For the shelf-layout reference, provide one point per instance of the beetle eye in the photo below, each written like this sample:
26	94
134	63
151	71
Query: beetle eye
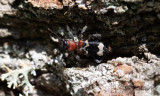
63	45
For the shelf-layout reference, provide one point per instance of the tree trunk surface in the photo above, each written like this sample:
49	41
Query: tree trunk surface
32	63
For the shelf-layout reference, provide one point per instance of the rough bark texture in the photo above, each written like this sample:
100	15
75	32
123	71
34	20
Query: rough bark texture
28	56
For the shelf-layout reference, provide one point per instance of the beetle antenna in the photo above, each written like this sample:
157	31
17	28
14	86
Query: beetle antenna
53	38
52	32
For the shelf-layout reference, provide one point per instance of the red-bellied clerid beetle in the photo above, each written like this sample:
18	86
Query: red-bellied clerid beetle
94	49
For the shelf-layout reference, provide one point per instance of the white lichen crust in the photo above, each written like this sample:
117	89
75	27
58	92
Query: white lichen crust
13	78
23	63
118	77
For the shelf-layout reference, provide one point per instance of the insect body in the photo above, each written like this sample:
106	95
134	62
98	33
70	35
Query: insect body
94	49
91	48
68	45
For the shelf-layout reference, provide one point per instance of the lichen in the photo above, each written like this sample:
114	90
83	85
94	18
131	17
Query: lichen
19	77
125	76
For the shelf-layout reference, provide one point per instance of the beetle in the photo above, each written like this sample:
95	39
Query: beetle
94	49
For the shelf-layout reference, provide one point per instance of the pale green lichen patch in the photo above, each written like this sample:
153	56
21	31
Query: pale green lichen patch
19	77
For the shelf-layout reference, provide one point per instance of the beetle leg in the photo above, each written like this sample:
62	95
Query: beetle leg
95	36
83	29
98	60
70	32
